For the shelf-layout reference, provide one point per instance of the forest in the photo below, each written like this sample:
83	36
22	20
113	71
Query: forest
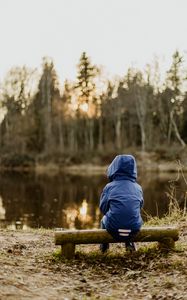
75	122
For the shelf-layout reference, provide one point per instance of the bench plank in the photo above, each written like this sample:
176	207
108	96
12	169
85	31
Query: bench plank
165	236
97	236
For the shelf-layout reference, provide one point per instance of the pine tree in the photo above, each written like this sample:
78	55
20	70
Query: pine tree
86	100
85	86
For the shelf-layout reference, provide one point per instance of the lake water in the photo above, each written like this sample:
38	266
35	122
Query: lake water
72	201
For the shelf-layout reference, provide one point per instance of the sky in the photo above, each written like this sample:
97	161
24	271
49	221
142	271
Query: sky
116	34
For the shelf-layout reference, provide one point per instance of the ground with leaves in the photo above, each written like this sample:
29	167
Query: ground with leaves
31	268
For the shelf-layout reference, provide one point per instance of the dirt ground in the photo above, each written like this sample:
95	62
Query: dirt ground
31	268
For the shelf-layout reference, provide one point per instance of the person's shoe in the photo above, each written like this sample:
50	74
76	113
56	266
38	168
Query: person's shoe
130	247
104	247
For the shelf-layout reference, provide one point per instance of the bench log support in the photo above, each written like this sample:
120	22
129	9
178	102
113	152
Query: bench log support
68	250
165	236
166	244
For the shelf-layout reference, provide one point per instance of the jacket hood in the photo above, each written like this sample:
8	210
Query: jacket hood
122	167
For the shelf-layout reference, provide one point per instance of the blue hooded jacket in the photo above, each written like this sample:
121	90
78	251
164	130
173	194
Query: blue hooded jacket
122	198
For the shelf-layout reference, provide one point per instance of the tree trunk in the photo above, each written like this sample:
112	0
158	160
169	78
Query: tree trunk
100	144
91	134
118	132
60	132
177	132
141	113
143	138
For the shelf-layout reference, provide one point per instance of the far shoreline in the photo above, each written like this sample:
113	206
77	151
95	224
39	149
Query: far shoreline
97	165
89	169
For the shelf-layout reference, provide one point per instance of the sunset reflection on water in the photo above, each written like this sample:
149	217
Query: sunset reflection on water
63	201
78	216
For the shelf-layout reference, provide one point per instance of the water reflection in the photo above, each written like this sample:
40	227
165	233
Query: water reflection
80	216
69	201
44	201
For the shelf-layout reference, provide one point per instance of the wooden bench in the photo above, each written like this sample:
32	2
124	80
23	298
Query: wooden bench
165	236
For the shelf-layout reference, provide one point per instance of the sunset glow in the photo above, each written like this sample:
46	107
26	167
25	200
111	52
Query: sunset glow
127	33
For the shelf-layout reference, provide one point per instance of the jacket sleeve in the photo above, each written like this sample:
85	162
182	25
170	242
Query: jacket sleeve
142	199
104	207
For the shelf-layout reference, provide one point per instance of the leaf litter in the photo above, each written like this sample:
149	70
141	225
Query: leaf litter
31	267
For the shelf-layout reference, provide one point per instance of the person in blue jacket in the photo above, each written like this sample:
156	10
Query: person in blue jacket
121	202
